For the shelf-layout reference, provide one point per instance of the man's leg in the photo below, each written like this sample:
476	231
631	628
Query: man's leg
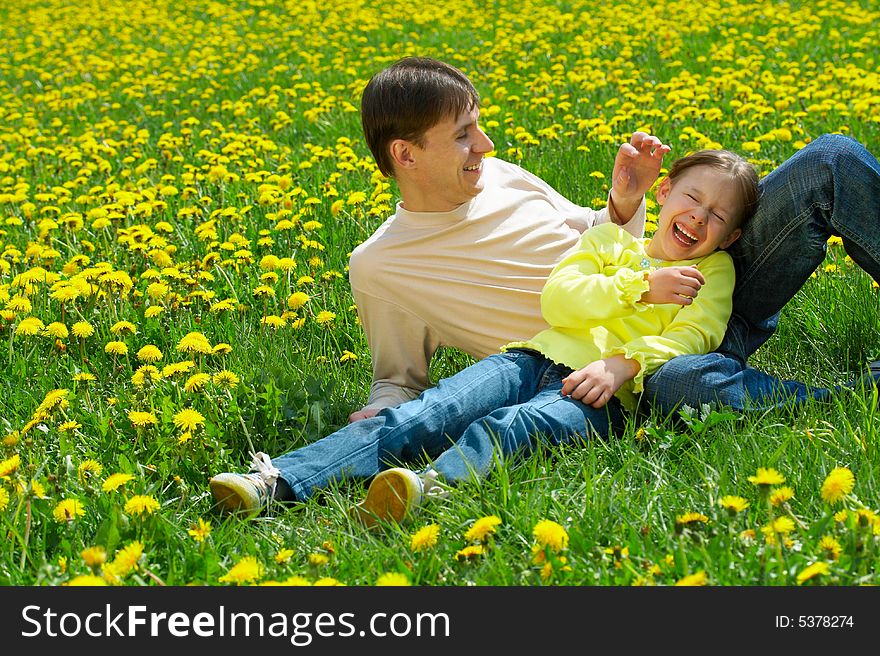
425	426
830	187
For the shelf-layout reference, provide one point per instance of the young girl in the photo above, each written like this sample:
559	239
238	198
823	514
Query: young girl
618	307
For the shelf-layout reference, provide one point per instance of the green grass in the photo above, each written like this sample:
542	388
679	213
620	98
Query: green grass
242	107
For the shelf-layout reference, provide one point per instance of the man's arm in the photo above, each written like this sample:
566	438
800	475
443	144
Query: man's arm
401	347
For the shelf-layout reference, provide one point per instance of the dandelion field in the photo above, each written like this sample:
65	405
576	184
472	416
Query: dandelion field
180	187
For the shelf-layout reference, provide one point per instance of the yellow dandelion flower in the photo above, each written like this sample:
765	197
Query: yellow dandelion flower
67	426
296	300
94	556
115	481
324	317
196	382
483	529
393	579
839	483
327	581
425	538
469	552
812	571
86	580
273	321
19	305
283	556
142	419
84	377
68	510
691	518
116	348
34	488
831	547
89	469
144	373
318	559
781	525
200	530
153	311
263	291
348	356
767	476
141	504
781	495
225	379
157	290
244	571
82	329
221	349
194	343
29	326
57	330
188	419
550	534
170	370
122	327
734	504
124	562
10	465
149	353
4	498
699	578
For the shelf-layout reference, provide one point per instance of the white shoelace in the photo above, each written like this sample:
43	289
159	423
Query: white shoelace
263	467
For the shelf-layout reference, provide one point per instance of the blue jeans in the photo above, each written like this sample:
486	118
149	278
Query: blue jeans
503	405
830	187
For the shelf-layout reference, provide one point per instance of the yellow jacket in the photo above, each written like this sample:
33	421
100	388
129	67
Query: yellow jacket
591	302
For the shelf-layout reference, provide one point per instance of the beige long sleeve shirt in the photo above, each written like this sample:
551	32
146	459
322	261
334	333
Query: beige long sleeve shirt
470	278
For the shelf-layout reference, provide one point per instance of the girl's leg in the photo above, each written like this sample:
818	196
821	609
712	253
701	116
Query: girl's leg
548	418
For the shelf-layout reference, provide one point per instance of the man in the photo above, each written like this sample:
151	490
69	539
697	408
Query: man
463	260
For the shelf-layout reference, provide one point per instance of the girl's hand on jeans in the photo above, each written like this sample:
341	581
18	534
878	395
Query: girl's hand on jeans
596	383
675	284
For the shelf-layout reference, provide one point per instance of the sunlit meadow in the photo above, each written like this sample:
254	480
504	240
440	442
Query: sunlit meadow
181	184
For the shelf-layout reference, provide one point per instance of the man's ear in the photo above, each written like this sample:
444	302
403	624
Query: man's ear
402	153
732	237
663	190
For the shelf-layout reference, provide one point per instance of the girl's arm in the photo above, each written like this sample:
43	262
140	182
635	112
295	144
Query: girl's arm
596	383
697	328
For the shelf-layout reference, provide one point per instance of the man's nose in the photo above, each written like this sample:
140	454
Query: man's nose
484	143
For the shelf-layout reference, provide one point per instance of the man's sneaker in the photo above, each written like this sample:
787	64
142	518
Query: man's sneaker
246	493
395	494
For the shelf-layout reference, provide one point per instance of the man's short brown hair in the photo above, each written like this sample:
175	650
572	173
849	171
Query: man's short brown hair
408	98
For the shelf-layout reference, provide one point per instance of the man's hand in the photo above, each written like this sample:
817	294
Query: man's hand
362	414
596	383
636	168
675	284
